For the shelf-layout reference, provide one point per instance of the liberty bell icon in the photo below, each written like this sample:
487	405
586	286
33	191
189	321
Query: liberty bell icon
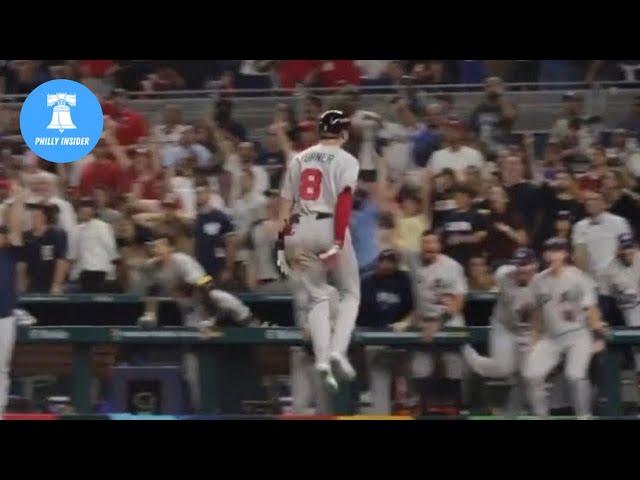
61	117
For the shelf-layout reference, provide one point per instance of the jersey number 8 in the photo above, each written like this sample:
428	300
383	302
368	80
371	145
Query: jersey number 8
310	183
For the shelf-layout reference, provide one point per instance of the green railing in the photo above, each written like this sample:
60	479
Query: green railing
213	360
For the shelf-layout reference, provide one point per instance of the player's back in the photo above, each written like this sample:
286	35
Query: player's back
318	175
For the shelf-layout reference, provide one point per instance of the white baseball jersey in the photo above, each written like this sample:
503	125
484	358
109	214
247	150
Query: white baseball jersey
514	303
563	299
443	276
623	282
317	175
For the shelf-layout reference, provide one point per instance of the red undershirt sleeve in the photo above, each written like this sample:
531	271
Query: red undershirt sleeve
342	215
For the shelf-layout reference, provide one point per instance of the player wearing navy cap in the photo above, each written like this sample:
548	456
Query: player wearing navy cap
622	282
509	337
10	252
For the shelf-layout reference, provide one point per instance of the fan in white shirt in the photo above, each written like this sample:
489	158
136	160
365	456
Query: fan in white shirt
456	156
170	132
595	238
187	147
94	251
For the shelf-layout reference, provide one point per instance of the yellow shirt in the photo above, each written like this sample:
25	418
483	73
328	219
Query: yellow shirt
408	232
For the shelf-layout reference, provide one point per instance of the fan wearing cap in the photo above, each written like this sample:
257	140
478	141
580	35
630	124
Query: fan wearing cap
11	243
510	327
566	322
622	282
456	155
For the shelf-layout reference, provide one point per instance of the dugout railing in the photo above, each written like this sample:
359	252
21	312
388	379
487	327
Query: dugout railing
218	355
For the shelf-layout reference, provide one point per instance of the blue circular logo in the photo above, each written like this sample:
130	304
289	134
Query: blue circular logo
61	121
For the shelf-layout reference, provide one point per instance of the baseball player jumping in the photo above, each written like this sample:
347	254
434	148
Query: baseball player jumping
622	282
319	183
510	335
565	321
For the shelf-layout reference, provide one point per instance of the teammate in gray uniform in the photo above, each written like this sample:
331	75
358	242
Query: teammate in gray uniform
440	287
565	322
622	281
319	185
510	333
180	276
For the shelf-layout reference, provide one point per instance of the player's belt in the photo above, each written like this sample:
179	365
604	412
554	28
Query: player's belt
319	216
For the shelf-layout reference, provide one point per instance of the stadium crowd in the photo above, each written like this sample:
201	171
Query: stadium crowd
212	186
22	76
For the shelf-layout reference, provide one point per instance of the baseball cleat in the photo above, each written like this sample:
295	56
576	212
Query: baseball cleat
327	378
342	367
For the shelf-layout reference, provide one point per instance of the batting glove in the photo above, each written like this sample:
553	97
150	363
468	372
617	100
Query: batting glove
281	262
332	252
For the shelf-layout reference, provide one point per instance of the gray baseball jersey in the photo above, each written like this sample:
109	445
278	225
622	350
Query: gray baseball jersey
563	299
228	306
431	282
314	180
317	175
514	303
179	270
623	282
